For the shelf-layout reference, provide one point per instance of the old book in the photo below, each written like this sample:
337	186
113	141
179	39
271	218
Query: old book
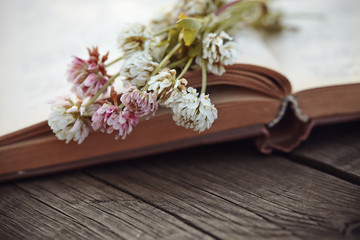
282	86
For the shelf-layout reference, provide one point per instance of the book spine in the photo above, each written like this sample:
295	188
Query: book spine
290	99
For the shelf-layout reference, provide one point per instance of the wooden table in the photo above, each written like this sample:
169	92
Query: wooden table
224	191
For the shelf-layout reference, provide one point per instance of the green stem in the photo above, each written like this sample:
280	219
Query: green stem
162	63
206	25
165	30
185	68
177	63
236	15
93	99
204	75
116	60
121	106
166	58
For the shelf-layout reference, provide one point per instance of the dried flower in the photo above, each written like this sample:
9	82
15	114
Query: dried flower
132	38
141	103
157	48
137	68
218	51
109	118
166	16
66	121
89	76
77	71
194	112
194	8
166	87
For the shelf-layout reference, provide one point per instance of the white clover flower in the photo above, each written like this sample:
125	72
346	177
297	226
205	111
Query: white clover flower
218	51
157	48
134	37
137	68
66	121
193	8
166	87
164	17
178	91
194	112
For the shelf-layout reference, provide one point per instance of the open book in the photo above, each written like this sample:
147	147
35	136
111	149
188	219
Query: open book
282	86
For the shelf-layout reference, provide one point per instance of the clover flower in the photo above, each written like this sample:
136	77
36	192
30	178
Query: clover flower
132	38
157	48
88	77
66	121
165	17
194	112
194	8
141	103
167	88
137	68
218	51
109	118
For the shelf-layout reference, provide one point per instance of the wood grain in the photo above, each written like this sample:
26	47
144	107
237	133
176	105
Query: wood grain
77	206
333	149
224	191
232	193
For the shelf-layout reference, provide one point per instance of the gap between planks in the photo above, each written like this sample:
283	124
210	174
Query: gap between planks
190	224
334	150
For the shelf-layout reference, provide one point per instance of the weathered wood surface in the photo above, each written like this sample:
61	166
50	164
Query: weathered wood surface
226	191
333	149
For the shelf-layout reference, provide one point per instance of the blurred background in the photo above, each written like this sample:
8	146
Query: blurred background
38	39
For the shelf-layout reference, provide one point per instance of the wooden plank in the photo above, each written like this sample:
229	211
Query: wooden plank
234	193
76	206
333	149
23	217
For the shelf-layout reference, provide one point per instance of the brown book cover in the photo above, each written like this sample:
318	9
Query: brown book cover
246	110
290	83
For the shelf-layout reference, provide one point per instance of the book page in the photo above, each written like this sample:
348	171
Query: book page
325	48
251	49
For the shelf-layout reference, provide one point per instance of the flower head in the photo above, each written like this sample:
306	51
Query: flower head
194	112
194	8
167	88
141	103
66	121
157	48
89	76
132	38
165	16
218	51
137	68
109	118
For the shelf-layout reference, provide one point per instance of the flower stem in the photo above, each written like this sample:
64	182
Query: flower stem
166	58
185	68
204	75
121	106
115	61
236	12
165	30
177	63
93	99
223	8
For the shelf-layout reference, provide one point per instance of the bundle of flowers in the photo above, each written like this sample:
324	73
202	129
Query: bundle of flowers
193	34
